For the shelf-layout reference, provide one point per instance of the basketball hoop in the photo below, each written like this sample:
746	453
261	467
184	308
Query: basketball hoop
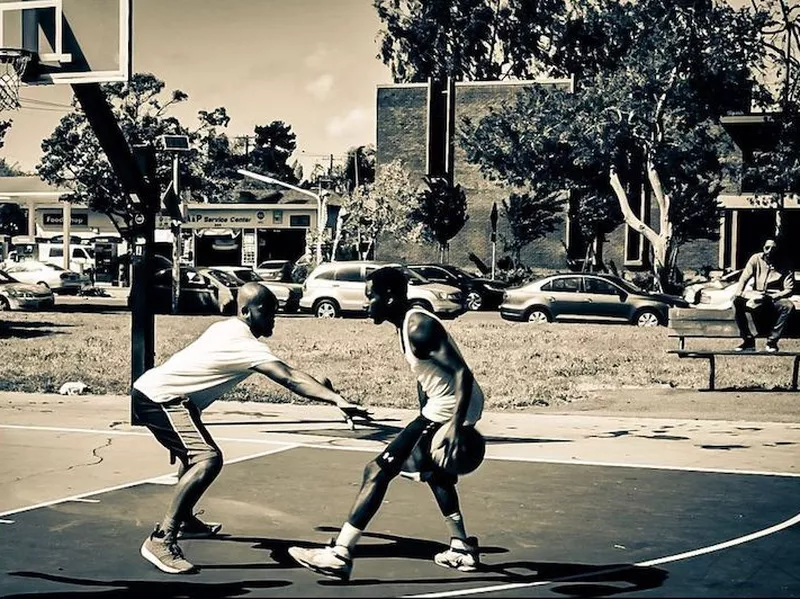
13	62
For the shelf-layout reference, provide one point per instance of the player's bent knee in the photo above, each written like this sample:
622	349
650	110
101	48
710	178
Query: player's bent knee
208	460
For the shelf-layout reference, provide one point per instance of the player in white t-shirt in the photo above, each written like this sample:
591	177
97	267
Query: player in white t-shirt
449	397
169	399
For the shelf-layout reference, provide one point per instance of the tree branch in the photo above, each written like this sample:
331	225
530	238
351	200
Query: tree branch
633	221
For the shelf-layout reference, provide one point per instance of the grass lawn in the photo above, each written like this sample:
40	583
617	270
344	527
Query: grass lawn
517	364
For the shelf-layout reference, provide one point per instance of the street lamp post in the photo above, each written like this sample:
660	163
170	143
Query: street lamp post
317	196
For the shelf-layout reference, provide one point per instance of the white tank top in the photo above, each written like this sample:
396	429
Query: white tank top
437	383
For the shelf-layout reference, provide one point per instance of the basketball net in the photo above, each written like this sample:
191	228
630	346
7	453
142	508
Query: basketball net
13	63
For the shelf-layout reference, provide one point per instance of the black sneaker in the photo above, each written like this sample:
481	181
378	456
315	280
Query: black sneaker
746	345
771	347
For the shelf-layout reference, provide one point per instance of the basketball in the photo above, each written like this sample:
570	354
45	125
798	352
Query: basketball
470	454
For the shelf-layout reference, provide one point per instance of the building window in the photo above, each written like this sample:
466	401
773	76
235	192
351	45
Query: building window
300	220
277	217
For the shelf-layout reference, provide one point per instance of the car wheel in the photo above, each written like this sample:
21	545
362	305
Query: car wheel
538	316
474	300
647	318
326	309
4	304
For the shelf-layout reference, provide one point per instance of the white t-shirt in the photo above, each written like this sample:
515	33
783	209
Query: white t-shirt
212	365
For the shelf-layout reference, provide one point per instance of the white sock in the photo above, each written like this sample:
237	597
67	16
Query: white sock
348	537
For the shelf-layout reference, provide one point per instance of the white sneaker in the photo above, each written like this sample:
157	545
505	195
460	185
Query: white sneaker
325	560
462	555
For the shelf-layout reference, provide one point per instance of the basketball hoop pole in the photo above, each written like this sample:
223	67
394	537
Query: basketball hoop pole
140	182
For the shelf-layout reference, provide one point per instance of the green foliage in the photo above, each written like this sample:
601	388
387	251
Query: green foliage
677	69
479	40
378	209
441	210
530	216
73	159
274	144
13	220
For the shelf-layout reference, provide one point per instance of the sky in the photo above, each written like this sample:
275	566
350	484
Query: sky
309	63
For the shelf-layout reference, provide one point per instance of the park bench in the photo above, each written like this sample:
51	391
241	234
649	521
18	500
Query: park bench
694	323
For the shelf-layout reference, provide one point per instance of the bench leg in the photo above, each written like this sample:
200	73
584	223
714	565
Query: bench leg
711	372
794	372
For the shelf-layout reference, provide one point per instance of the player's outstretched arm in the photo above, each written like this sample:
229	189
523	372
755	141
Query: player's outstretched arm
307	386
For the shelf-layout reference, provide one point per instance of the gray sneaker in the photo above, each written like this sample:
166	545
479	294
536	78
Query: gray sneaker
165	554
463	557
195	528
325	560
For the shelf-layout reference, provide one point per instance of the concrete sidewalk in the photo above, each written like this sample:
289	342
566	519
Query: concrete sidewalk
56	446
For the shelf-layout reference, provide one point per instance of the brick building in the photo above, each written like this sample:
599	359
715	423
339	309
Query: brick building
402	133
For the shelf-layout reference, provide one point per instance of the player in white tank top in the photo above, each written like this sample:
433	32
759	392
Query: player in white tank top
449	397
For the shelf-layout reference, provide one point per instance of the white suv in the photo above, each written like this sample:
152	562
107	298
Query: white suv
335	288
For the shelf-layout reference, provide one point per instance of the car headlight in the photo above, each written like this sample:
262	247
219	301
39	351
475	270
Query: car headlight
12	292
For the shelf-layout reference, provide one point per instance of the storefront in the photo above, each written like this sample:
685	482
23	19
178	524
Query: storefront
242	234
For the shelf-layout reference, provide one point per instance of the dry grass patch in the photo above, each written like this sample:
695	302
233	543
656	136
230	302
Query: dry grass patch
518	365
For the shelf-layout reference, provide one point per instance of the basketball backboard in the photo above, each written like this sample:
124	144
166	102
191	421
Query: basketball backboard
76	41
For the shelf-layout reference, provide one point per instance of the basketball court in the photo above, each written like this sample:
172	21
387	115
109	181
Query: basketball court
557	510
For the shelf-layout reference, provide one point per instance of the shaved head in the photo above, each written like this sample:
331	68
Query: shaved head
254	294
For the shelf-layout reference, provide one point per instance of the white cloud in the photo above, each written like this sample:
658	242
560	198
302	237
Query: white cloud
321	86
341	125
318	58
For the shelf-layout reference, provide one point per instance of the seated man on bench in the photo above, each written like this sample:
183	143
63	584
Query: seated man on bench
768	301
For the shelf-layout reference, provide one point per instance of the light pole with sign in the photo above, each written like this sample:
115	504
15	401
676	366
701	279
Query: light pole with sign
172	205
321	221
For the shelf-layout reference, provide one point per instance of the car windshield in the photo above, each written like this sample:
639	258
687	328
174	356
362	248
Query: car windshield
627	285
414	278
6	278
225	278
247	275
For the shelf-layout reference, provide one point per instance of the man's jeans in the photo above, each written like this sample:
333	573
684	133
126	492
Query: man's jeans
773	315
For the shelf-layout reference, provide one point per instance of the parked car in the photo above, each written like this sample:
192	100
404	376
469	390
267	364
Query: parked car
15	295
339	288
718	294
587	295
287	294
49	275
198	293
227	287
479	293
714	291
275	270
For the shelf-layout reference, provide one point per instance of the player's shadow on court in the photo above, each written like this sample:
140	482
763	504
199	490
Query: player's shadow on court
382	432
579	580
138	589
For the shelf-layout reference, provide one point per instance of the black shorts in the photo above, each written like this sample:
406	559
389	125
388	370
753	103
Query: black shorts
176	424
409	453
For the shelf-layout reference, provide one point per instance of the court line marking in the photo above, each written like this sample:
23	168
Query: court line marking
649	563
463	592
135	483
533	460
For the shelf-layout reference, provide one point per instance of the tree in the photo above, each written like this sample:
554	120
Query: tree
530	216
13	220
359	167
441	209
274	144
73	159
649	124
377	209
480	40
